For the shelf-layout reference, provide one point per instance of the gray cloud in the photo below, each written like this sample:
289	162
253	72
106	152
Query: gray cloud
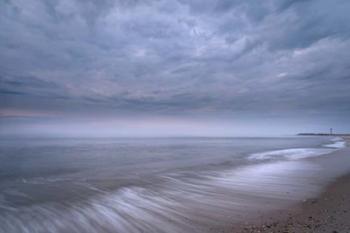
217	58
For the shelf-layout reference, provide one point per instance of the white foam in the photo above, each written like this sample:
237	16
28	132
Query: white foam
338	143
335	139
291	154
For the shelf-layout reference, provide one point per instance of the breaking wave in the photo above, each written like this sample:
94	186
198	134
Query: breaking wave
180	204
299	153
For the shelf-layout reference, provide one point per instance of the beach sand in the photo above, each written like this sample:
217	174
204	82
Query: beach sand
329	212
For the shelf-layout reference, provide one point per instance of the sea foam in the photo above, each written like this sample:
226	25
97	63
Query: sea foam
338	143
291	154
300	153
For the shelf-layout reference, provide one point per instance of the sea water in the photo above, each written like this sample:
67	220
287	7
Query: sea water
154	184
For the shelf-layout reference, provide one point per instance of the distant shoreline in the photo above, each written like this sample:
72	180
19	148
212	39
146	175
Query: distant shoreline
324	134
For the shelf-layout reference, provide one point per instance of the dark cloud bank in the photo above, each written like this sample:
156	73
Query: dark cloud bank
129	67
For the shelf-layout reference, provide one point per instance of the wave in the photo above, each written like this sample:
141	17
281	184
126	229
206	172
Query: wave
291	154
300	153
338	143
183	203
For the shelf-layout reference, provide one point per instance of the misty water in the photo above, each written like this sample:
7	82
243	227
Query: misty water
156	184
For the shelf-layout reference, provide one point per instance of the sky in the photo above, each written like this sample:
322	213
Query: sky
174	67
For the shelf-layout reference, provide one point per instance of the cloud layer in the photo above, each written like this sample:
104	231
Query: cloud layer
276	58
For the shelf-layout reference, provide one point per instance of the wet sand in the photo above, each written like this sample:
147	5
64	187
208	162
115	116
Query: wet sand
329	212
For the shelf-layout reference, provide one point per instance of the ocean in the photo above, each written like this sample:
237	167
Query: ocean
163	185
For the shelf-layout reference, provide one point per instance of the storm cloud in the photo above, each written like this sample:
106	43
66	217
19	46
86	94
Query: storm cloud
231	60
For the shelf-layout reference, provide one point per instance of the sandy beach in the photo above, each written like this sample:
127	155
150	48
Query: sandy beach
329	212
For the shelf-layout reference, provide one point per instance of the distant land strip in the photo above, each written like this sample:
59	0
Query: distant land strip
324	134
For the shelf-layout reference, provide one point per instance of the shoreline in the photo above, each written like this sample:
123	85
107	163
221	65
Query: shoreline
327	212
